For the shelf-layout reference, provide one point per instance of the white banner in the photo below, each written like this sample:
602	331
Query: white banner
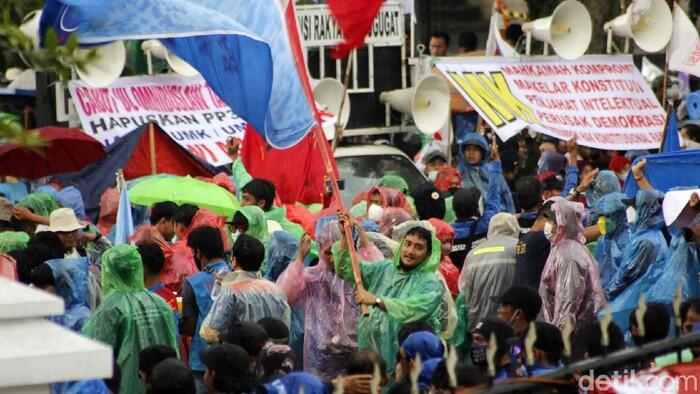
186	108
602	100
684	47
318	28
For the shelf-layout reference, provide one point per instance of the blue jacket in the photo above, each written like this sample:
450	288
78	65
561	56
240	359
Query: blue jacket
477	175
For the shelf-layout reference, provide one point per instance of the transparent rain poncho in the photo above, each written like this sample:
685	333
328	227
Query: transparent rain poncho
644	260
408	296
608	249
130	318
71	280
490	268
570	283
331	314
11	241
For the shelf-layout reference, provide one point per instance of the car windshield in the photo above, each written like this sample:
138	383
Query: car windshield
361	173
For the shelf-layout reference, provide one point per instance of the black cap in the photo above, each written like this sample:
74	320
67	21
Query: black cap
248	335
524	298
172	376
226	359
630	202
548	339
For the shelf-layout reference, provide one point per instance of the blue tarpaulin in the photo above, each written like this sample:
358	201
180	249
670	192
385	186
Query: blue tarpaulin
668	170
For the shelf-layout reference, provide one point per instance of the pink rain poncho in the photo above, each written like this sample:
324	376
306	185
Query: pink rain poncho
331	313
570	283
109	205
8	267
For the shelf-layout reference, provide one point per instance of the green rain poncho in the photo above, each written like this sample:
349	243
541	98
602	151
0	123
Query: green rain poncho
40	203
130	318
408	296
279	215
257	228
11	241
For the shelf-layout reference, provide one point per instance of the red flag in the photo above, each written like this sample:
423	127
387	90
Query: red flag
297	172
355	20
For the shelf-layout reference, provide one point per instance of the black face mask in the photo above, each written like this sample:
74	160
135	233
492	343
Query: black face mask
451	191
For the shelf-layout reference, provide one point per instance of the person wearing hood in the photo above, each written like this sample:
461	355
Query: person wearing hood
604	183
423	344
68	279
570	285
489	269
644	259
258	192
130	318
473	161
621	166
244	295
448	182
390	183
251	220
283	250
446	234
397	291
331	314
615	235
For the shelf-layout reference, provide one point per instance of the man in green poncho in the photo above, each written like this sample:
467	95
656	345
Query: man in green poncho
397	291
130	318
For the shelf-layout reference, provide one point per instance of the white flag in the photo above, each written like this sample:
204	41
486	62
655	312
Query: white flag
684	48
495	44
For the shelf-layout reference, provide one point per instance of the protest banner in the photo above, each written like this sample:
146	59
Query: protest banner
186	108
602	100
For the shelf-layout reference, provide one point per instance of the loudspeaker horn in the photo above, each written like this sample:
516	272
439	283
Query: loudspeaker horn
428	103
650	28
107	67
329	93
568	30
30	27
175	63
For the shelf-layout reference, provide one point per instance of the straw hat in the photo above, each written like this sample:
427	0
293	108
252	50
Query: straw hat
63	220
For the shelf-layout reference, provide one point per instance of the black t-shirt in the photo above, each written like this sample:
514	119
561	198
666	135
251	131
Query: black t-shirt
530	255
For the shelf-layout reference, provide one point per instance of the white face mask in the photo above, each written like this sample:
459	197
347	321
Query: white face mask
375	212
623	175
549	230
631	215
690	144
432	175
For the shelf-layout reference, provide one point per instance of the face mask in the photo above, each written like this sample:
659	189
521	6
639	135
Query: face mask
478	354
451	191
623	175
601	225
549	230
631	215
432	175
375	212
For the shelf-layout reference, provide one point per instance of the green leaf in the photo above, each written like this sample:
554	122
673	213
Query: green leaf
72	43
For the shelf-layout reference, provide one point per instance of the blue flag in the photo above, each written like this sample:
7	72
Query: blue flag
671	141
125	224
667	170
240	47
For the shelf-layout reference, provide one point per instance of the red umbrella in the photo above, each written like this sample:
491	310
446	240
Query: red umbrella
67	150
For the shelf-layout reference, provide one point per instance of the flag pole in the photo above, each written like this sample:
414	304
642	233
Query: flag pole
339	126
663	136
151	131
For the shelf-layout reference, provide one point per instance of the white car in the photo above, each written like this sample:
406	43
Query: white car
362	166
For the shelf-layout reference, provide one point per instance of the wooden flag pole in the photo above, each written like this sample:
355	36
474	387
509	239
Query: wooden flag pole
339	126
151	131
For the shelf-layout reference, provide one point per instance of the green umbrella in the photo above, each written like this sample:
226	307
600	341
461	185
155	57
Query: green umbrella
181	190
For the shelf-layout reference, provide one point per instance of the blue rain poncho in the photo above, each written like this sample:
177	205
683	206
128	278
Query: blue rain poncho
478	176
71	280
282	252
605	182
130	318
683	268
644	259
608	249
408	296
